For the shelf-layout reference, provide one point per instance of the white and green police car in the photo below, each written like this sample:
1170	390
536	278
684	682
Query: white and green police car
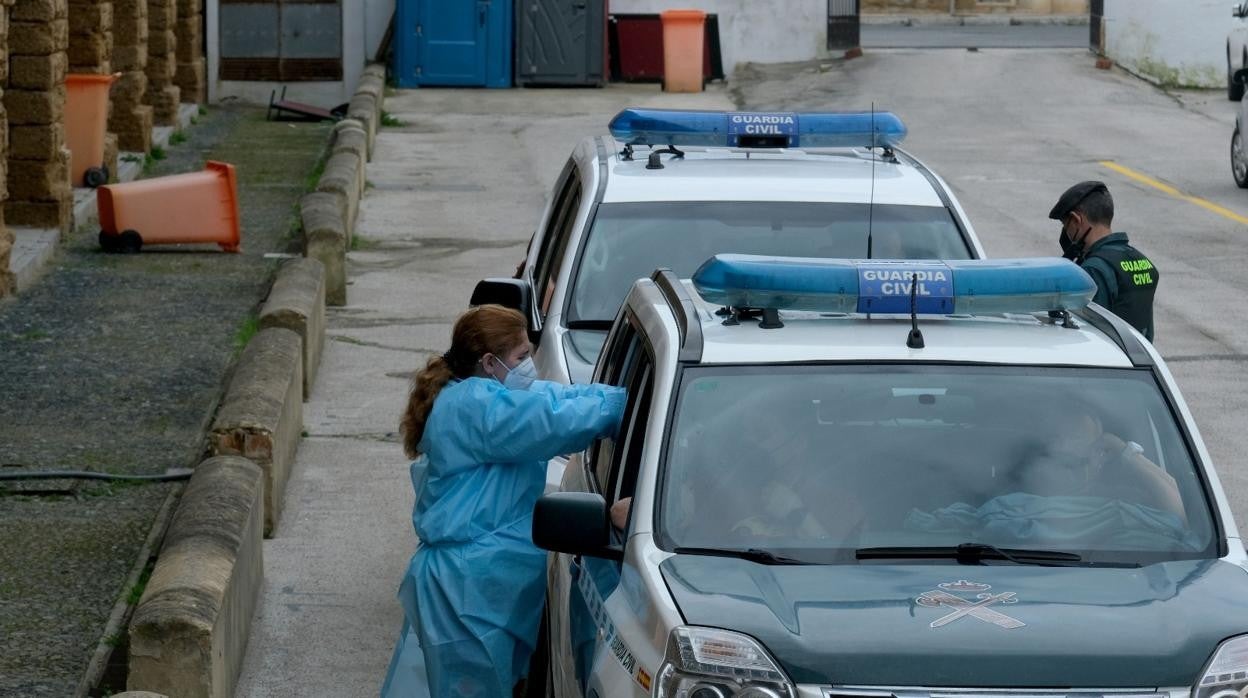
670	188
867	479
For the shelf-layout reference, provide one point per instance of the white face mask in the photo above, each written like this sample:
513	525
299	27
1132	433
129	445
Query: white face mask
522	376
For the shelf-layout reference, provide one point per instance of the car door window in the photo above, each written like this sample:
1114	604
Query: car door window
555	239
626	457
617	364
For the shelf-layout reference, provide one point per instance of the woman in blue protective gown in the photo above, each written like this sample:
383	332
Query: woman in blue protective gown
483	430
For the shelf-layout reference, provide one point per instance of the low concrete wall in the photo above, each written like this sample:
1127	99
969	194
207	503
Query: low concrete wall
326	238
261	415
1176	44
329	213
297	303
189	633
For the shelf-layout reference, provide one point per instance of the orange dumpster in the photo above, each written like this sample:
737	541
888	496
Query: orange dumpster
86	121
185	208
682	50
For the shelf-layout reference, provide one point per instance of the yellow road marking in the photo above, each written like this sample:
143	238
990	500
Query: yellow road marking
1162	186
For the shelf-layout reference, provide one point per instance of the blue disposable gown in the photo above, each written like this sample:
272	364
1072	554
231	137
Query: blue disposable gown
475	589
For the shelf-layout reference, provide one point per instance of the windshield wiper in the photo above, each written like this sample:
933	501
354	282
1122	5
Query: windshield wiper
759	555
602	325
972	554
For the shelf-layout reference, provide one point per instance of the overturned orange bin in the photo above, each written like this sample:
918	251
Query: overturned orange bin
86	122
178	209
683	33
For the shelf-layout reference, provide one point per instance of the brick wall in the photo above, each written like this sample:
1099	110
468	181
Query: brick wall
162	61
38	163
6	236
130	118
191	77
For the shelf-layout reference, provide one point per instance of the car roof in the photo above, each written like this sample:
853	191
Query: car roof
987	339
843	175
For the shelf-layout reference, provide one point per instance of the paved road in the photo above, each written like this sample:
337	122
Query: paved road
1010	130
977	36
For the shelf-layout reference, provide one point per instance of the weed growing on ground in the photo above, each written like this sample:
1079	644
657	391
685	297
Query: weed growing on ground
158	153
245	332
388	119
359	242
203	111
178	138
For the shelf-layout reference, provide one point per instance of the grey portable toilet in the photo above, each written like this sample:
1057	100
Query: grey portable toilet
561	42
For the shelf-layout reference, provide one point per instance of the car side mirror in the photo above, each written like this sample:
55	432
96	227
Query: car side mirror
576	523
1241	76
509	293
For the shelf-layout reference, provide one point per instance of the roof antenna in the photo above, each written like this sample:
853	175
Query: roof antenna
915	340
871	205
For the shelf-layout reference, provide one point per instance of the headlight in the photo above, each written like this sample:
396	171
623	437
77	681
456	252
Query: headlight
1227	674
712	663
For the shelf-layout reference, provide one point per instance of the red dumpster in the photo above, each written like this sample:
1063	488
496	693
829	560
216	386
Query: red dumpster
86	121
185	208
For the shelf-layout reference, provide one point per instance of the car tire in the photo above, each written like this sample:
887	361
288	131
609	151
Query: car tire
1239	160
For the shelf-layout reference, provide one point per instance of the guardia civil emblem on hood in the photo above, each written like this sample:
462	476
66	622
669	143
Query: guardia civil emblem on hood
948	595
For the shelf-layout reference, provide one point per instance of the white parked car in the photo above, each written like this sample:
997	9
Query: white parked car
1239	158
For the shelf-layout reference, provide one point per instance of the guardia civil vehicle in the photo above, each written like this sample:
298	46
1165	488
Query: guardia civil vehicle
881	479
669	188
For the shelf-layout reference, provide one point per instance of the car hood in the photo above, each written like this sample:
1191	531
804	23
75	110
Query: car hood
582	347
1154	626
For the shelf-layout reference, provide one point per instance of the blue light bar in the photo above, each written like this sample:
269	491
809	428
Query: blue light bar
659	127
955	287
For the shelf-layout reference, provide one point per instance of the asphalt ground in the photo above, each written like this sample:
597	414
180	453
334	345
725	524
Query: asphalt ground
115	364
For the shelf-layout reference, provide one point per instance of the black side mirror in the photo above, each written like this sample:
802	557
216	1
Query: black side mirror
509	293
576	523
1241	76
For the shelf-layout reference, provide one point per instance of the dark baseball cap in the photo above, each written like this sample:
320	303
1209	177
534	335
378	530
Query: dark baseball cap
1073	197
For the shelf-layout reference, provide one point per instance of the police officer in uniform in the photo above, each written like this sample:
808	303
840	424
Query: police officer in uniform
1125	279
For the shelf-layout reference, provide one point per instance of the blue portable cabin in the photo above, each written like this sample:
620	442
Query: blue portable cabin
453	43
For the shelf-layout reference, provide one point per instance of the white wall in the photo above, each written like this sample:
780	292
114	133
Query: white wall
363	24
753	30
1176	42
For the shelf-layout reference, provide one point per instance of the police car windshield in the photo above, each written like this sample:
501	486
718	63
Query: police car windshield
630	240
817	462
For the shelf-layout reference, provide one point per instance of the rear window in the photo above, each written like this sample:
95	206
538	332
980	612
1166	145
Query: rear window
629	241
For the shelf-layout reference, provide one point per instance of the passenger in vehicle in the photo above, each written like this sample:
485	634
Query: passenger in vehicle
1085	460
485	429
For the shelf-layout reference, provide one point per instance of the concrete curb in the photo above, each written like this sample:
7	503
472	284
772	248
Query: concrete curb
326	238
297	303
344	177
261	415
139	694
973	20
329	213
189	632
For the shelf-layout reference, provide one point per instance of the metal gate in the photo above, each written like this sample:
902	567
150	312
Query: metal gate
560	42
843	22
281	40
1096	23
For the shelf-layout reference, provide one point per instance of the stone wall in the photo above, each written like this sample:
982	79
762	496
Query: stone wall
130	119
162	63
191	77
6	237
38	163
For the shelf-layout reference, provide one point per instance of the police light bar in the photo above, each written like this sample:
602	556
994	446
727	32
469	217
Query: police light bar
659	127
953	287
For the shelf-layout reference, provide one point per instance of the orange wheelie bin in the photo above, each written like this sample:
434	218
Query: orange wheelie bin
683	33
185	208
86	122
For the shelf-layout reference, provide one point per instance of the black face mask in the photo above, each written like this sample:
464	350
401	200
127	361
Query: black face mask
1070	249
